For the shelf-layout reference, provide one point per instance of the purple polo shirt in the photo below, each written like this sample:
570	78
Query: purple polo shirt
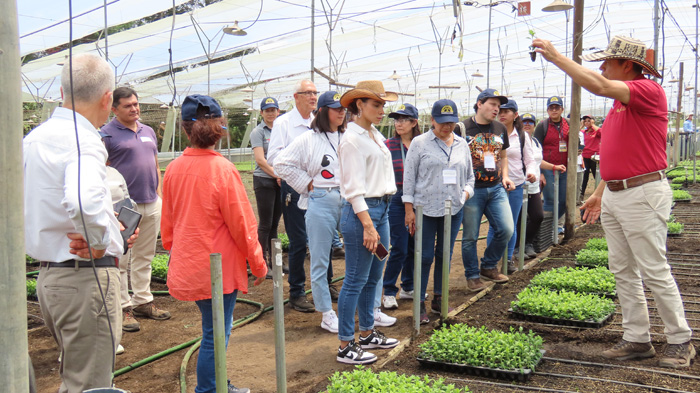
133	155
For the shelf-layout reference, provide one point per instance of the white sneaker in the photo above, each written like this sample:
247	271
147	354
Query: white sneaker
389	302
405	295
330	321
381	319
120	349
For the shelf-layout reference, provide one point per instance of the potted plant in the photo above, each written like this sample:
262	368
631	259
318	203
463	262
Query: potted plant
533	54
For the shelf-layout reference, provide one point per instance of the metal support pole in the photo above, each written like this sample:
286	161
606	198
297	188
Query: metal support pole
679	119
504	262
417	265
597	173
523	226
555	209
14	375
572	191
278	302
313	32
694	134
217	305
488	50
447	234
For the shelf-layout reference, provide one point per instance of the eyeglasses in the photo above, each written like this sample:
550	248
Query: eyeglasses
341	109
402	120
308	93
554	108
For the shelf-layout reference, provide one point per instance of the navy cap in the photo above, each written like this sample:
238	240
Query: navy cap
491	93
405	110
192	104
555	100
511	104
445	111
330	99
528	117
268	102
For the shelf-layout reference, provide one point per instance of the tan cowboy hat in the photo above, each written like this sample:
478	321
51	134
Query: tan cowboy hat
621	47
368	89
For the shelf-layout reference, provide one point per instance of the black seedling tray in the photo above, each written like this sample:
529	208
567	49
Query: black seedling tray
509	375
159	280
674	234
682	200
563	322
578	264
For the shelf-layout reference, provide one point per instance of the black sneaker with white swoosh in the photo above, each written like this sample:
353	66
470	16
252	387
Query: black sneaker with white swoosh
354	354
377	340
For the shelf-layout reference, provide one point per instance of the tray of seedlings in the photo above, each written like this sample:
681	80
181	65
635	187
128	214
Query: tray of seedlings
31	289
366	380
159	268
680	196
562	307
481	352
597	281
592	258
674	228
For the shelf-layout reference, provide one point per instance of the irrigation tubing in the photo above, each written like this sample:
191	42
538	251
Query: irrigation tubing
584	363
636	385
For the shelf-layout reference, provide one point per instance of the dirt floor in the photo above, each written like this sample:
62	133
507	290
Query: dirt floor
310	350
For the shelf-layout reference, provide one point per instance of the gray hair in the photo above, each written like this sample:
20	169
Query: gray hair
92	77
297	86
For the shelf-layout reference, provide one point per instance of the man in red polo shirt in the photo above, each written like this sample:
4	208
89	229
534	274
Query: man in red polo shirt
634	198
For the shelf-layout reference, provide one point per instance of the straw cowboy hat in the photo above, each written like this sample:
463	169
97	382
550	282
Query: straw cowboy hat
627	48
368	89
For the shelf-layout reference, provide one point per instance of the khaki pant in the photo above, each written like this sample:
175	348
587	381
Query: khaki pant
72	308
634	221
138	260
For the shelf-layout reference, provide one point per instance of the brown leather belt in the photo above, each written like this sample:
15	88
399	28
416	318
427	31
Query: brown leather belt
619	185
100	262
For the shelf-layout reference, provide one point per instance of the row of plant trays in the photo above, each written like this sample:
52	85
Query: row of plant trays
520	375
589	324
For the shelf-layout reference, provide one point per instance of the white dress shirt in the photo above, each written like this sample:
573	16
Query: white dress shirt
51	208
515	162
366	170
285	129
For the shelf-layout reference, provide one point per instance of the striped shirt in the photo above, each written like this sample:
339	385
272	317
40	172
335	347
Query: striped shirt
394	145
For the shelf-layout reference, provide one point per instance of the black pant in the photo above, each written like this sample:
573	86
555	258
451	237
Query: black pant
535	215
590	167
267	195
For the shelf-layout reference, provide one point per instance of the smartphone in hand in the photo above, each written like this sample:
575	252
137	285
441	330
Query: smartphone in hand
130	219
381	252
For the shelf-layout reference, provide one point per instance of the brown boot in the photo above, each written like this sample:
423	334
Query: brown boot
129	323
475	285
149	310
625	350
493	275
677	355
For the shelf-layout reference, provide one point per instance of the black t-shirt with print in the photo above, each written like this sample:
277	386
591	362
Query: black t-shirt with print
484	140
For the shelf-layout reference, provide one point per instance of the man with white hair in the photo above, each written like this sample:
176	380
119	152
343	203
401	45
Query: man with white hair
66	196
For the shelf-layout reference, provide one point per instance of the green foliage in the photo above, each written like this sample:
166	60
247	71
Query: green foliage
31	287
463	344
592	258
159	266
244	165
682	179
678	172
285	241
681	195
675	227
597	280
562	304
361	380
597	243
532	33
671	218
676	186
29	259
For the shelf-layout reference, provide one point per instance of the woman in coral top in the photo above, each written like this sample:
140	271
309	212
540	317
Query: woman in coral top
206	210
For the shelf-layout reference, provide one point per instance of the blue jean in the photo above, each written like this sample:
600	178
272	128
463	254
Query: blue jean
295	225
206	376
432	227
322	219
492	202
363	270
402	245
548	192
515	200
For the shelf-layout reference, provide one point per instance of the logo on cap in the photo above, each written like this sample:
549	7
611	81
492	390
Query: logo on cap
496	93
447	109
402	107
554	99
269	101
336	97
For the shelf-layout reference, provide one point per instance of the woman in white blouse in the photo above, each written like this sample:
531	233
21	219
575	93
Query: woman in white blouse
310	166
367	183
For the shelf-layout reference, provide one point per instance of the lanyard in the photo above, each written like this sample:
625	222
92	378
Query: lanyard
403	153
331	143
443	150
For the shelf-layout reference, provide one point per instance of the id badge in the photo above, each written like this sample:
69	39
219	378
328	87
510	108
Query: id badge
562	147
449	176
489	161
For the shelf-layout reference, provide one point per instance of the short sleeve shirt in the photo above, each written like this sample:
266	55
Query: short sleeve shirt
484	141
633	137
260	137
133	155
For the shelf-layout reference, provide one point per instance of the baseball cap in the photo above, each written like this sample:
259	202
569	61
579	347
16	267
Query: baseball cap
511	104
445	111
405	110
586	117
268	102
528	117
491	93
330	99
192	103
555	100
